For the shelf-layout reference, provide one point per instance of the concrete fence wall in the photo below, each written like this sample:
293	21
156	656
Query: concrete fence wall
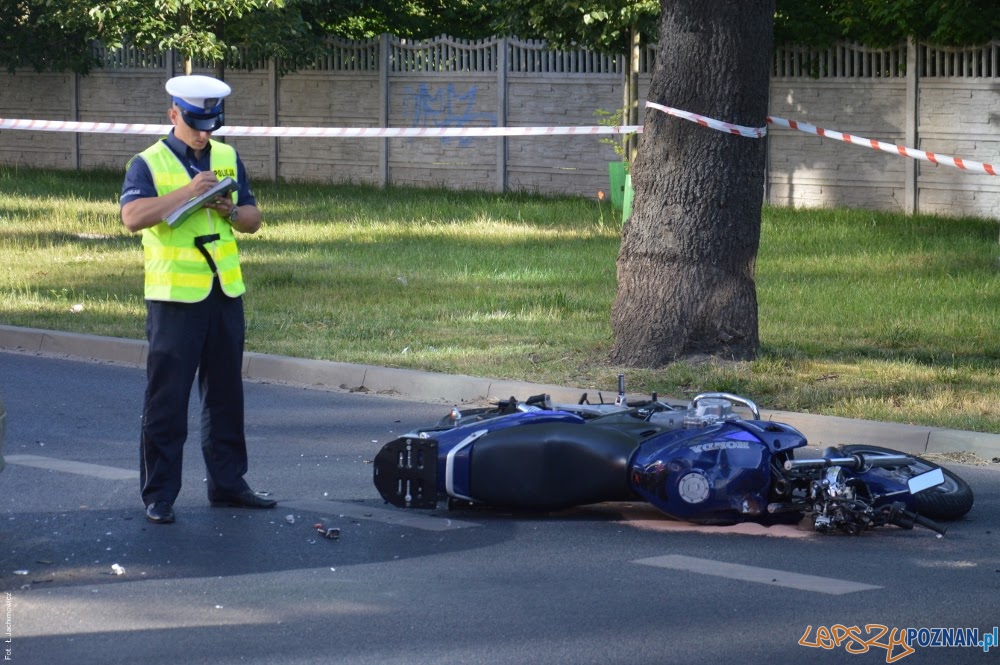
945	101
942	100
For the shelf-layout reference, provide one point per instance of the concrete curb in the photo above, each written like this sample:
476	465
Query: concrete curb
458	389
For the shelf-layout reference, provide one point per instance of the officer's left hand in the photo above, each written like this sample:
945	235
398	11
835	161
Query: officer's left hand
221	205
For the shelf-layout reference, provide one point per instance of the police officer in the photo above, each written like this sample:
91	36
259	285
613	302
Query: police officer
194	309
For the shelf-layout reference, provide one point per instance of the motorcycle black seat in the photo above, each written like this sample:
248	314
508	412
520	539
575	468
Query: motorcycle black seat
550	466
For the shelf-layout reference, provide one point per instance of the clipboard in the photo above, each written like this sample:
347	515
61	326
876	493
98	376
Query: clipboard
225	187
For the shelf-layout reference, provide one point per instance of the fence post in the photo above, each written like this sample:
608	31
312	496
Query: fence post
911	190
767	167
501	65
272	116
75	116
383	108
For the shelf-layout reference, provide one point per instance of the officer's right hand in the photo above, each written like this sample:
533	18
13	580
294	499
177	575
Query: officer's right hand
202	182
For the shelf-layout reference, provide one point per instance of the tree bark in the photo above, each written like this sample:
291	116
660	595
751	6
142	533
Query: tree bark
686	263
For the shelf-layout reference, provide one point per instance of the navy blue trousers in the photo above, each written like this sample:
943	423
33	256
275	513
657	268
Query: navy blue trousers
189	340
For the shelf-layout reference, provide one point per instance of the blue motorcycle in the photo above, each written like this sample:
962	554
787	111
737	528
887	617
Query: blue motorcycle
701	462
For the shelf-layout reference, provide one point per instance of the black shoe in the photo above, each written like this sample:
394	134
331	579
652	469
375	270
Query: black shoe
160	512
246	499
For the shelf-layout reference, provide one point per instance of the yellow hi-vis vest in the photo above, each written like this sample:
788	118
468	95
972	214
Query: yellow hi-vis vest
176	269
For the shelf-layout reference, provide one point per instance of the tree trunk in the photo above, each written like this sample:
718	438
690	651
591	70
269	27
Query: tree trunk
686	263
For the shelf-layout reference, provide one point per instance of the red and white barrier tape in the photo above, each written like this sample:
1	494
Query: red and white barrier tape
718	125
759	132
958	163
314	132
445	132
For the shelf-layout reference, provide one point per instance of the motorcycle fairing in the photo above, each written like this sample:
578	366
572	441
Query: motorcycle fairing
884	483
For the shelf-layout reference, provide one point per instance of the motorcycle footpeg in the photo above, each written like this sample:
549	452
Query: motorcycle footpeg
406	472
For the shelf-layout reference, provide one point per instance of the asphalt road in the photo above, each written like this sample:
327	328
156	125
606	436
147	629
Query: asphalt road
614	583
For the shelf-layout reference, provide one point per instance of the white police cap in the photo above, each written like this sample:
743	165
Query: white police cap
199	99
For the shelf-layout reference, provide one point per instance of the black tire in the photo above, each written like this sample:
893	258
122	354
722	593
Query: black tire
949	501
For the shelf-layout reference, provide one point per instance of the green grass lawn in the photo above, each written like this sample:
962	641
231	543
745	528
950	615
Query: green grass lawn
862	314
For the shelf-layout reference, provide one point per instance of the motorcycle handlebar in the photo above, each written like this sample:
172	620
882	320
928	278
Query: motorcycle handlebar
905	519
857	462
929	524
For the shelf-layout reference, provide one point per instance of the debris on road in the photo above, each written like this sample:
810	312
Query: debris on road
332	533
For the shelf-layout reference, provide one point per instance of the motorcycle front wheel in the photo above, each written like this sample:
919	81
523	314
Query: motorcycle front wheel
948	501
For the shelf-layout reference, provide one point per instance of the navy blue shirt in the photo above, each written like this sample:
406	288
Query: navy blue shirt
139	181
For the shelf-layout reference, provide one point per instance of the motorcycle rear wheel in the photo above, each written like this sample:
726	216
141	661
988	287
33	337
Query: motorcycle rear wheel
946	502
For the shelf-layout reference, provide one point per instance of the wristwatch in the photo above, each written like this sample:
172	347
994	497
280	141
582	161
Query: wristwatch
233	214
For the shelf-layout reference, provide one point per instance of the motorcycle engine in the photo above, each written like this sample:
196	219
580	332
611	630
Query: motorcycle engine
837	506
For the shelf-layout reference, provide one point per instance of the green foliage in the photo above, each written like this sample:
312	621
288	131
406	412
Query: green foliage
294	35
603	24
56	35
620	144
884	22
956	22
806	22
195	28
46	35
417	19
600	25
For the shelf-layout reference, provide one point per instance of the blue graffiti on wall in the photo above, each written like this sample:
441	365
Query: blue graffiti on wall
444	107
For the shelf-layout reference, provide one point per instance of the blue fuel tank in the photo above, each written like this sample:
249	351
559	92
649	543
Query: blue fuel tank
719	474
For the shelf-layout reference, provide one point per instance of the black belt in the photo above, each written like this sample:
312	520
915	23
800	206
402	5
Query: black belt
200	243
